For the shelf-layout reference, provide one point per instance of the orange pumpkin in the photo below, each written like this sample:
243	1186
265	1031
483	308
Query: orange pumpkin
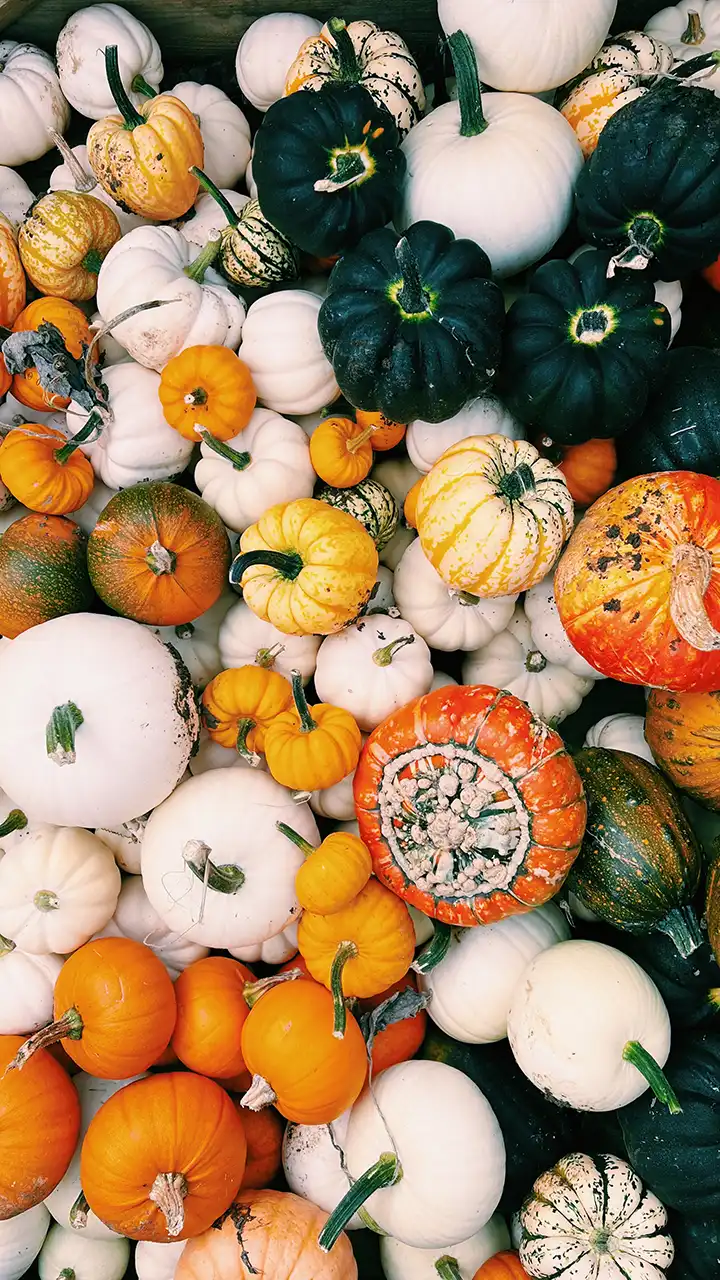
159	554
207	389
384	434
39	474
410	504
401	1040
240	704
333	873
683	733
43	572
502	1266
163	1157
341	452
298	1065
712	275
264	1136
638	588
311	748
75	329
211	1010
39	1127
589	468
12	276
114	1008
64	241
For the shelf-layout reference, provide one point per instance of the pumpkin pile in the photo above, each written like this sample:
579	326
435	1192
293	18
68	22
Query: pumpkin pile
360	650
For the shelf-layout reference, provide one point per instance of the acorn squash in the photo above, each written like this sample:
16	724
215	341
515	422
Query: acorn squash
680	430
697	1246
369	502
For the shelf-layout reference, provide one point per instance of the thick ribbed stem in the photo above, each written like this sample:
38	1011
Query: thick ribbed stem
346	951
225	878
653	1073
160	560
517	483
287	563
447	1268
259	1096
65	452
244	729
129	113
472	120
693	33
168	1192
383	657
436	949
412	297
303	845
681	925
307	724
691	573
60	733
385	1173
358	441
69	1027
15	821
221	201
239	460
196	269
347	58
252	991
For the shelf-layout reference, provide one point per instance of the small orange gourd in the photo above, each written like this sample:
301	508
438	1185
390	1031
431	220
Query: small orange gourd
207	390
310	748
589	468
341	452
211	1011
240	704
332	874
39	470
64	241
384	433
75	329
12	276
502	1266
39	1126
410	504
401	1040
264	1136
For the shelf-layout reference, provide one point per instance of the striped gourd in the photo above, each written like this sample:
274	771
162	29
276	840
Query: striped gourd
254	254
370	503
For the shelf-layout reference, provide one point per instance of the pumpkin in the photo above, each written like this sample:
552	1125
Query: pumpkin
245	638
81	62
15	196
312	1157
680	733
696	1241
264	1137
310	748
412	324
283	352
74	327
40	1124
211	1010
548	634
487	164
306	568
198	642
63	242
37	472
75	175
582	352
619	73
335	802
398	1041
636	588
333	873
327	167
26	989
592	1212
427	441
712	904
163	1157
373	668
207	390
243	476
273	1229
135	918
493	516
620	732
589	468
369	502
384	434
265	52
32	105
275	950
447	619
341	452
517	830
298	1064
12	276
689	985
239	705
43	572
253	253
206	219
155	1261
67	1250
403	1262
689	28
224	129
21	1238
678	431
158	554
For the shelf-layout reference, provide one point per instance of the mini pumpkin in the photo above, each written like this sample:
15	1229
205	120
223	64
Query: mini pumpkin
310	748
623	70
39	1126
589	468
211	1011
43	572
239	705
75	329
341	452
207	390
384	434
12	276
41	473
64	241
333	873
683	733
264	1136
253	253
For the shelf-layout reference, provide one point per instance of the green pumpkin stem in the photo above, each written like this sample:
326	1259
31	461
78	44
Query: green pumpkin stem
384	1173
653	1073
60	731
15	821
7	946
159	559
412	296
515	484
436	949
383	657
681	925
266	657
239	460
196	269
78	1215
472	120
695	67
69	1027
65	452
302	844
252	991
221	201
347	57
244	728
346	951
129	113
693	33
140	85
287	563
223	878
67	1273
307	724
447	1268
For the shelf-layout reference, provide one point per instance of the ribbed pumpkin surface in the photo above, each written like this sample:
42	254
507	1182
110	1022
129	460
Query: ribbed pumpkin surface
683	730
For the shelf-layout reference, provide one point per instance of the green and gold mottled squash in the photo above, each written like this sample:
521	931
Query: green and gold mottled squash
43	572
683	732
370	503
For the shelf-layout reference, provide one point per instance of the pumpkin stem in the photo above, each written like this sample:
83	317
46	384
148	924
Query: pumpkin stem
348	166
82	180
15	821
159	560
140	85
185	631
466	598
67	1273
266	657
252	991
383	657
239	460
244	728
92	261
384	1173
302	844
358	441
259	1096
224	878
436	949
78	1215
653	1073
60	733
129	113
346	951
307	724
6	946
69	1027
347	58
45	900
197	396
411	297
287	563
221	201
535	662
681	925
515	484
447	1268
65	452
645	233
693	33
168	1192
196	269
472	120
691	571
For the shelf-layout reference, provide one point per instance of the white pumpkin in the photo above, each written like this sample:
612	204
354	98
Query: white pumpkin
277	950
620	732
472	987
81	61
266	52
512	660
267	463
125	842
27	983
75	174
21	1239
309	421
157	1261
225	818
246	640
15	197
445	618
136	443
282	349
690	28
373	668
31	103
382	599
548	633
394	550
398	475
198	642
441	680
573	1014
524	46
139	720
250	182
207	218
336	803
14	413
68	1253
402	1262
212	755
225	131
135	918
158	264
312	1163
88	514
487	416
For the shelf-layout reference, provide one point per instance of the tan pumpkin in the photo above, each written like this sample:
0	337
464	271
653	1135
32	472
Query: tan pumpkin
64	241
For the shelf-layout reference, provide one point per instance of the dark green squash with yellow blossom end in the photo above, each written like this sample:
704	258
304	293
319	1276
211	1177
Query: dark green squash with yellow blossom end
640	863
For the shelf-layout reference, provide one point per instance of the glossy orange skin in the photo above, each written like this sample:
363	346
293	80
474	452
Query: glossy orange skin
12	276
683	733
126	1001
264	1136
244	693
589	468
30	470
315	760
288	1040
39	1127
410	504
211	1010
612	585
73	325
712	275
502	1266
146	168
402	1040
386	434
332	457
221	386
176	1122
63	242
380	926
43	572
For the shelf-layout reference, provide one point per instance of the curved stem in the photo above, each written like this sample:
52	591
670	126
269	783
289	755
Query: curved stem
244	728
412	296
653	1073
303	845
196	269
129	113
78	1215
359	441
7	946
252	991
15	821
347	58
307	724
681	925
69	1027
239	460
436	949
447	1268
259	1095
221	201
83	181
691	572
693	33
140	85
266	657
384	1173
223	878
346	951
168	1192
60	731
65	452
517	483
159	559
472	120
287	563
383	657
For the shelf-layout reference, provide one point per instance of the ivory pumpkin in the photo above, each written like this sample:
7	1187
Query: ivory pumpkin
312	1164
20	1240
276	950
136	919
282	349
155	1261
65	1250
26	989
690	28
39	1125
198	642
373	668
31	103
225	131
206	218
244	638
15	196
427	441
124	842
621	732
81	63
447	619
267	50
403	1262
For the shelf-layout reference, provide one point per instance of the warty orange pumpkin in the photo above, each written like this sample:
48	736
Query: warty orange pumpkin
37	471
239	705
207	390
12	276
211	1011
39	1126
64	241
75	329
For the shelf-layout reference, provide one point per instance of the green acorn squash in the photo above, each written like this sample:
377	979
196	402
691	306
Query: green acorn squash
640	863
328	167
581	352
369	502
689	985
697	1246
680	431
412	325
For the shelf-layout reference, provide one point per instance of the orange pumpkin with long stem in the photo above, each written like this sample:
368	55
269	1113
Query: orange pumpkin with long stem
240	704
211	1011
39	1127
401	1040
502	1266
75	329
384	433
341	452
36	468
163	1157
12	276
311	748
63	243
264	1136
333	873
207	390
589	468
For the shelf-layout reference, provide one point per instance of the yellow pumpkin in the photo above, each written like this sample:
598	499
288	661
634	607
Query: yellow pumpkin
333	873
311	748
493	515
306	567
64	241
239	704
12	276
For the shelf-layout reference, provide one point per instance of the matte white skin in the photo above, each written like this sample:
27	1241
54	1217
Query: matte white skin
548	633
576	1007
441	680
81	62
148	264
487	416
234	812
438	613
279	470
282	349
157	1261
670	24
27	983
402	1262
266	53
393	552
71	864
31	103
136	443
198	642
225	131
246	639
473	986
621	732
209	218
63	178
15	196
509	188
348	676
335	803
398	475
211	755
423	926
125	842
383	600
312	1165
135	918
21	1238
140	720
273	951
524	46
87	1259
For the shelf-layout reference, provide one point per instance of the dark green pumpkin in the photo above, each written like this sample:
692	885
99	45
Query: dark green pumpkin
640	863
581	351
328	167
681	429
412	326
697	1246
369	502
43	572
